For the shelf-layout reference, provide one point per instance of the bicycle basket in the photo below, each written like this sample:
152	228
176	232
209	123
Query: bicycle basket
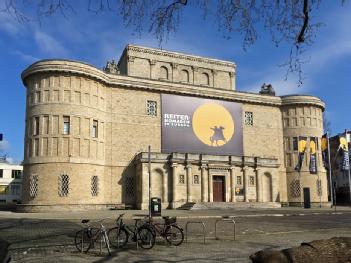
170	220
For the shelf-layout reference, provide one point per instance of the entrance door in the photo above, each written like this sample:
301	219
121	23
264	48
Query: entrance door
218	189
306	197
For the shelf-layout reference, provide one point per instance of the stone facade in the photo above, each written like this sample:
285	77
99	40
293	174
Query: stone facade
87	133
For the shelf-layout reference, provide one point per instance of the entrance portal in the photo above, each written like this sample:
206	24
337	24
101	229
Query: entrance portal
218	189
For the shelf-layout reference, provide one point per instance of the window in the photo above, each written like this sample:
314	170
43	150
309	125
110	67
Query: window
295	144
66	125
252	180
46	124
94	185
16	174
36	126
295	188
130	187
151	108
238	180
95	129
196	179
184	76
33	185
248	118
15	189
181	178
205	79
1	173
37	97
319	187
163	73
63	185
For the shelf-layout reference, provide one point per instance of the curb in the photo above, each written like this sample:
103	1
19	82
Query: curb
262	215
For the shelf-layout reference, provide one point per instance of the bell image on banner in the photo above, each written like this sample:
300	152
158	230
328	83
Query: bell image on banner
301	148
343	147
324	146
313	155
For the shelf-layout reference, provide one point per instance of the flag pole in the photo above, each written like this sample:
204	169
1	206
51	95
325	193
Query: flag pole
149	170
330	175
347	142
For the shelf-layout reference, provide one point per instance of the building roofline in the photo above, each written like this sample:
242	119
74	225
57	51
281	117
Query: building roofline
178	55
88	70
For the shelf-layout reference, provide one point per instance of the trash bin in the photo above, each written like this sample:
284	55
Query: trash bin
155	206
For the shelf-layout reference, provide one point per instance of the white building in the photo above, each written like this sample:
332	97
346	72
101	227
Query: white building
10	182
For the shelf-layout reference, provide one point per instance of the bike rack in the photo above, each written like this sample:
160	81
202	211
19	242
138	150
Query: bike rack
195	222
225	219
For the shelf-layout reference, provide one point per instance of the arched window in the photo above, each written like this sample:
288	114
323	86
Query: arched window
184	76
163	73
205	79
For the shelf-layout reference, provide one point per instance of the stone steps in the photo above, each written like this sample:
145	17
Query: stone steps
227	205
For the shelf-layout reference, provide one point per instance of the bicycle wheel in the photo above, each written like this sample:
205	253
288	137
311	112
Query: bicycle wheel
118	237
82	241
174	235
146	237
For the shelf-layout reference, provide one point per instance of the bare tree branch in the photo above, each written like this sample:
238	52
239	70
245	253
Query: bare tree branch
301	36
287	21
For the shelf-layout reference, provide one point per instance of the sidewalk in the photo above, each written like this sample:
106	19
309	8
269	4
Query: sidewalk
208	213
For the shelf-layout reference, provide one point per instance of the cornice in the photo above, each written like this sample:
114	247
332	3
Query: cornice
74	67
179	55
302	100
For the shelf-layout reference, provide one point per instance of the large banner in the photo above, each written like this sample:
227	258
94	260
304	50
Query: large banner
195	125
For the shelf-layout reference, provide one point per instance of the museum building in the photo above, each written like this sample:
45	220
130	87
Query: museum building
88	131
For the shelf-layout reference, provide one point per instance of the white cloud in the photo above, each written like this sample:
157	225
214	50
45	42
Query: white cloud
49	45
4	146
9	24
25	57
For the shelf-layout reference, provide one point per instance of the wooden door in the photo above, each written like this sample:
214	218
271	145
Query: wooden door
218	189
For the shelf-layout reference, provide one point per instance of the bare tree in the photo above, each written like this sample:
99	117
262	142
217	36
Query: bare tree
326	124
287	21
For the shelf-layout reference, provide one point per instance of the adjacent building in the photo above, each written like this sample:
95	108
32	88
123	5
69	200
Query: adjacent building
340	177
10	182
88	132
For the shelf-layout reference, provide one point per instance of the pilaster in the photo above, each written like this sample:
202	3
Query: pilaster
232	184
204	184
246	183
174	184
189	183
259	185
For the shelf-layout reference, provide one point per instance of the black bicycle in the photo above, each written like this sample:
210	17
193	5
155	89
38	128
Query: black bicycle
169	230
142	234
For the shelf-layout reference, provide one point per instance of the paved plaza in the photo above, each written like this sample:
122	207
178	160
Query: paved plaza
49	237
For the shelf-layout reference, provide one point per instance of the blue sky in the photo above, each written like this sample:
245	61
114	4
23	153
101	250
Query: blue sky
95	38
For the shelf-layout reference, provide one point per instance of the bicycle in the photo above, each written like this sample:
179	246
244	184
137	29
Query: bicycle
142	235
169	230
86	238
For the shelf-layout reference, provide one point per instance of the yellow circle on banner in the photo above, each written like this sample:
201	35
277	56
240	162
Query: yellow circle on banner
213	124
312	147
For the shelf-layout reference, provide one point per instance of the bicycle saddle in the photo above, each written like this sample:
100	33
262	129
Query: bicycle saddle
84	221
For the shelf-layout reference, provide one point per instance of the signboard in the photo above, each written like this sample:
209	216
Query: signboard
195	125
